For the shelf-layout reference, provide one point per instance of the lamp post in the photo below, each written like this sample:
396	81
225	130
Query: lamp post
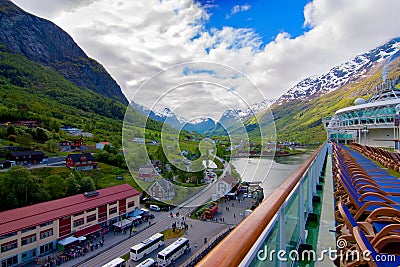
396	128
365	131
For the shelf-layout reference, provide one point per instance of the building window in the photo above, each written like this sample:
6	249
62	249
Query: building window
8	235
10	261
91	218
102	211
28	239
79	222
113	210
46	248
29	254
28	229
78	214
131	204
113	203
46	224
9	246
46	233
91	210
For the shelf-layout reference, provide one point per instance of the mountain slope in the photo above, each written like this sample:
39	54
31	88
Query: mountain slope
300	121
45	43
341	75
31	91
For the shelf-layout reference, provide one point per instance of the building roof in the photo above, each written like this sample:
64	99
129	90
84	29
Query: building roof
27	153
147	170
228	178
21	218
164	184
77	157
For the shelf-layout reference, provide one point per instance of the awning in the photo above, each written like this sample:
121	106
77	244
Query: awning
134	218
123	224
88	231
136	212
68	240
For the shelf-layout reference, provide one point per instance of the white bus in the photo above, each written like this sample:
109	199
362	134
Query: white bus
118	262
173	251
150	262
147	246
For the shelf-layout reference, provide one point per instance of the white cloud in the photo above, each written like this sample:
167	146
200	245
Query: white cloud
136	39
238	8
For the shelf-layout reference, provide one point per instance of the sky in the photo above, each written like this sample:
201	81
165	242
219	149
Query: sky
248	50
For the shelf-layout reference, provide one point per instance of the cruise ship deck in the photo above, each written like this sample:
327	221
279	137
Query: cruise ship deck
341	207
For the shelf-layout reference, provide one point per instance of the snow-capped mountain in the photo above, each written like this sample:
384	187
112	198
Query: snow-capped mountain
342	74
202	125
250	111
199	125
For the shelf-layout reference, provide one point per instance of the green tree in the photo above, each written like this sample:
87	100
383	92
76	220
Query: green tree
72	185
54	125
10	130
55	186
18	188
25	140
87	184
41	134
52	145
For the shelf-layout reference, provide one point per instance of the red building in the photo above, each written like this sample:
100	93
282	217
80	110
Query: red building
84	161
36	230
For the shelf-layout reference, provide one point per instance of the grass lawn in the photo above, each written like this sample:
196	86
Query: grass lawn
105	176
170	234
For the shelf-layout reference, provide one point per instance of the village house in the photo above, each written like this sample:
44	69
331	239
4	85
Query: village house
147	173
29	124
76	145
225	184
27	157
101	145
162	189
81	162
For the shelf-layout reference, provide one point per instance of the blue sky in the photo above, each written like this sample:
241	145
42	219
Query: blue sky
265	40
267	18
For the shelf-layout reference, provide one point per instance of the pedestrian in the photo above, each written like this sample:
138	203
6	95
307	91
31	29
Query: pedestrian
234	215
205	240
233	204
195	245
130	231
114	231
191	224
149	223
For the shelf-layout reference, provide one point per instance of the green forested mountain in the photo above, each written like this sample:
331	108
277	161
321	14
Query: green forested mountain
31	91
43	42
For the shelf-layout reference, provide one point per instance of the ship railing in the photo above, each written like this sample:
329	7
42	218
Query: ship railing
277	225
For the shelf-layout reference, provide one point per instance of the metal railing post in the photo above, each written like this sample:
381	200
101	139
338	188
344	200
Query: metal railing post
301	213
282	233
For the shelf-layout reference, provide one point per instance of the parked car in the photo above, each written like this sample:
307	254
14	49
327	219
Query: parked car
155	207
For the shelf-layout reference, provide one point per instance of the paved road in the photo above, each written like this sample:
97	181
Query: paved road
206	193
163	222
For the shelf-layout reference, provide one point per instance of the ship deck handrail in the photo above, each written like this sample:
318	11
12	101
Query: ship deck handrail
234	248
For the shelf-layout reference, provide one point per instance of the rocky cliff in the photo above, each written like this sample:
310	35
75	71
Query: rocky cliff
44	42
